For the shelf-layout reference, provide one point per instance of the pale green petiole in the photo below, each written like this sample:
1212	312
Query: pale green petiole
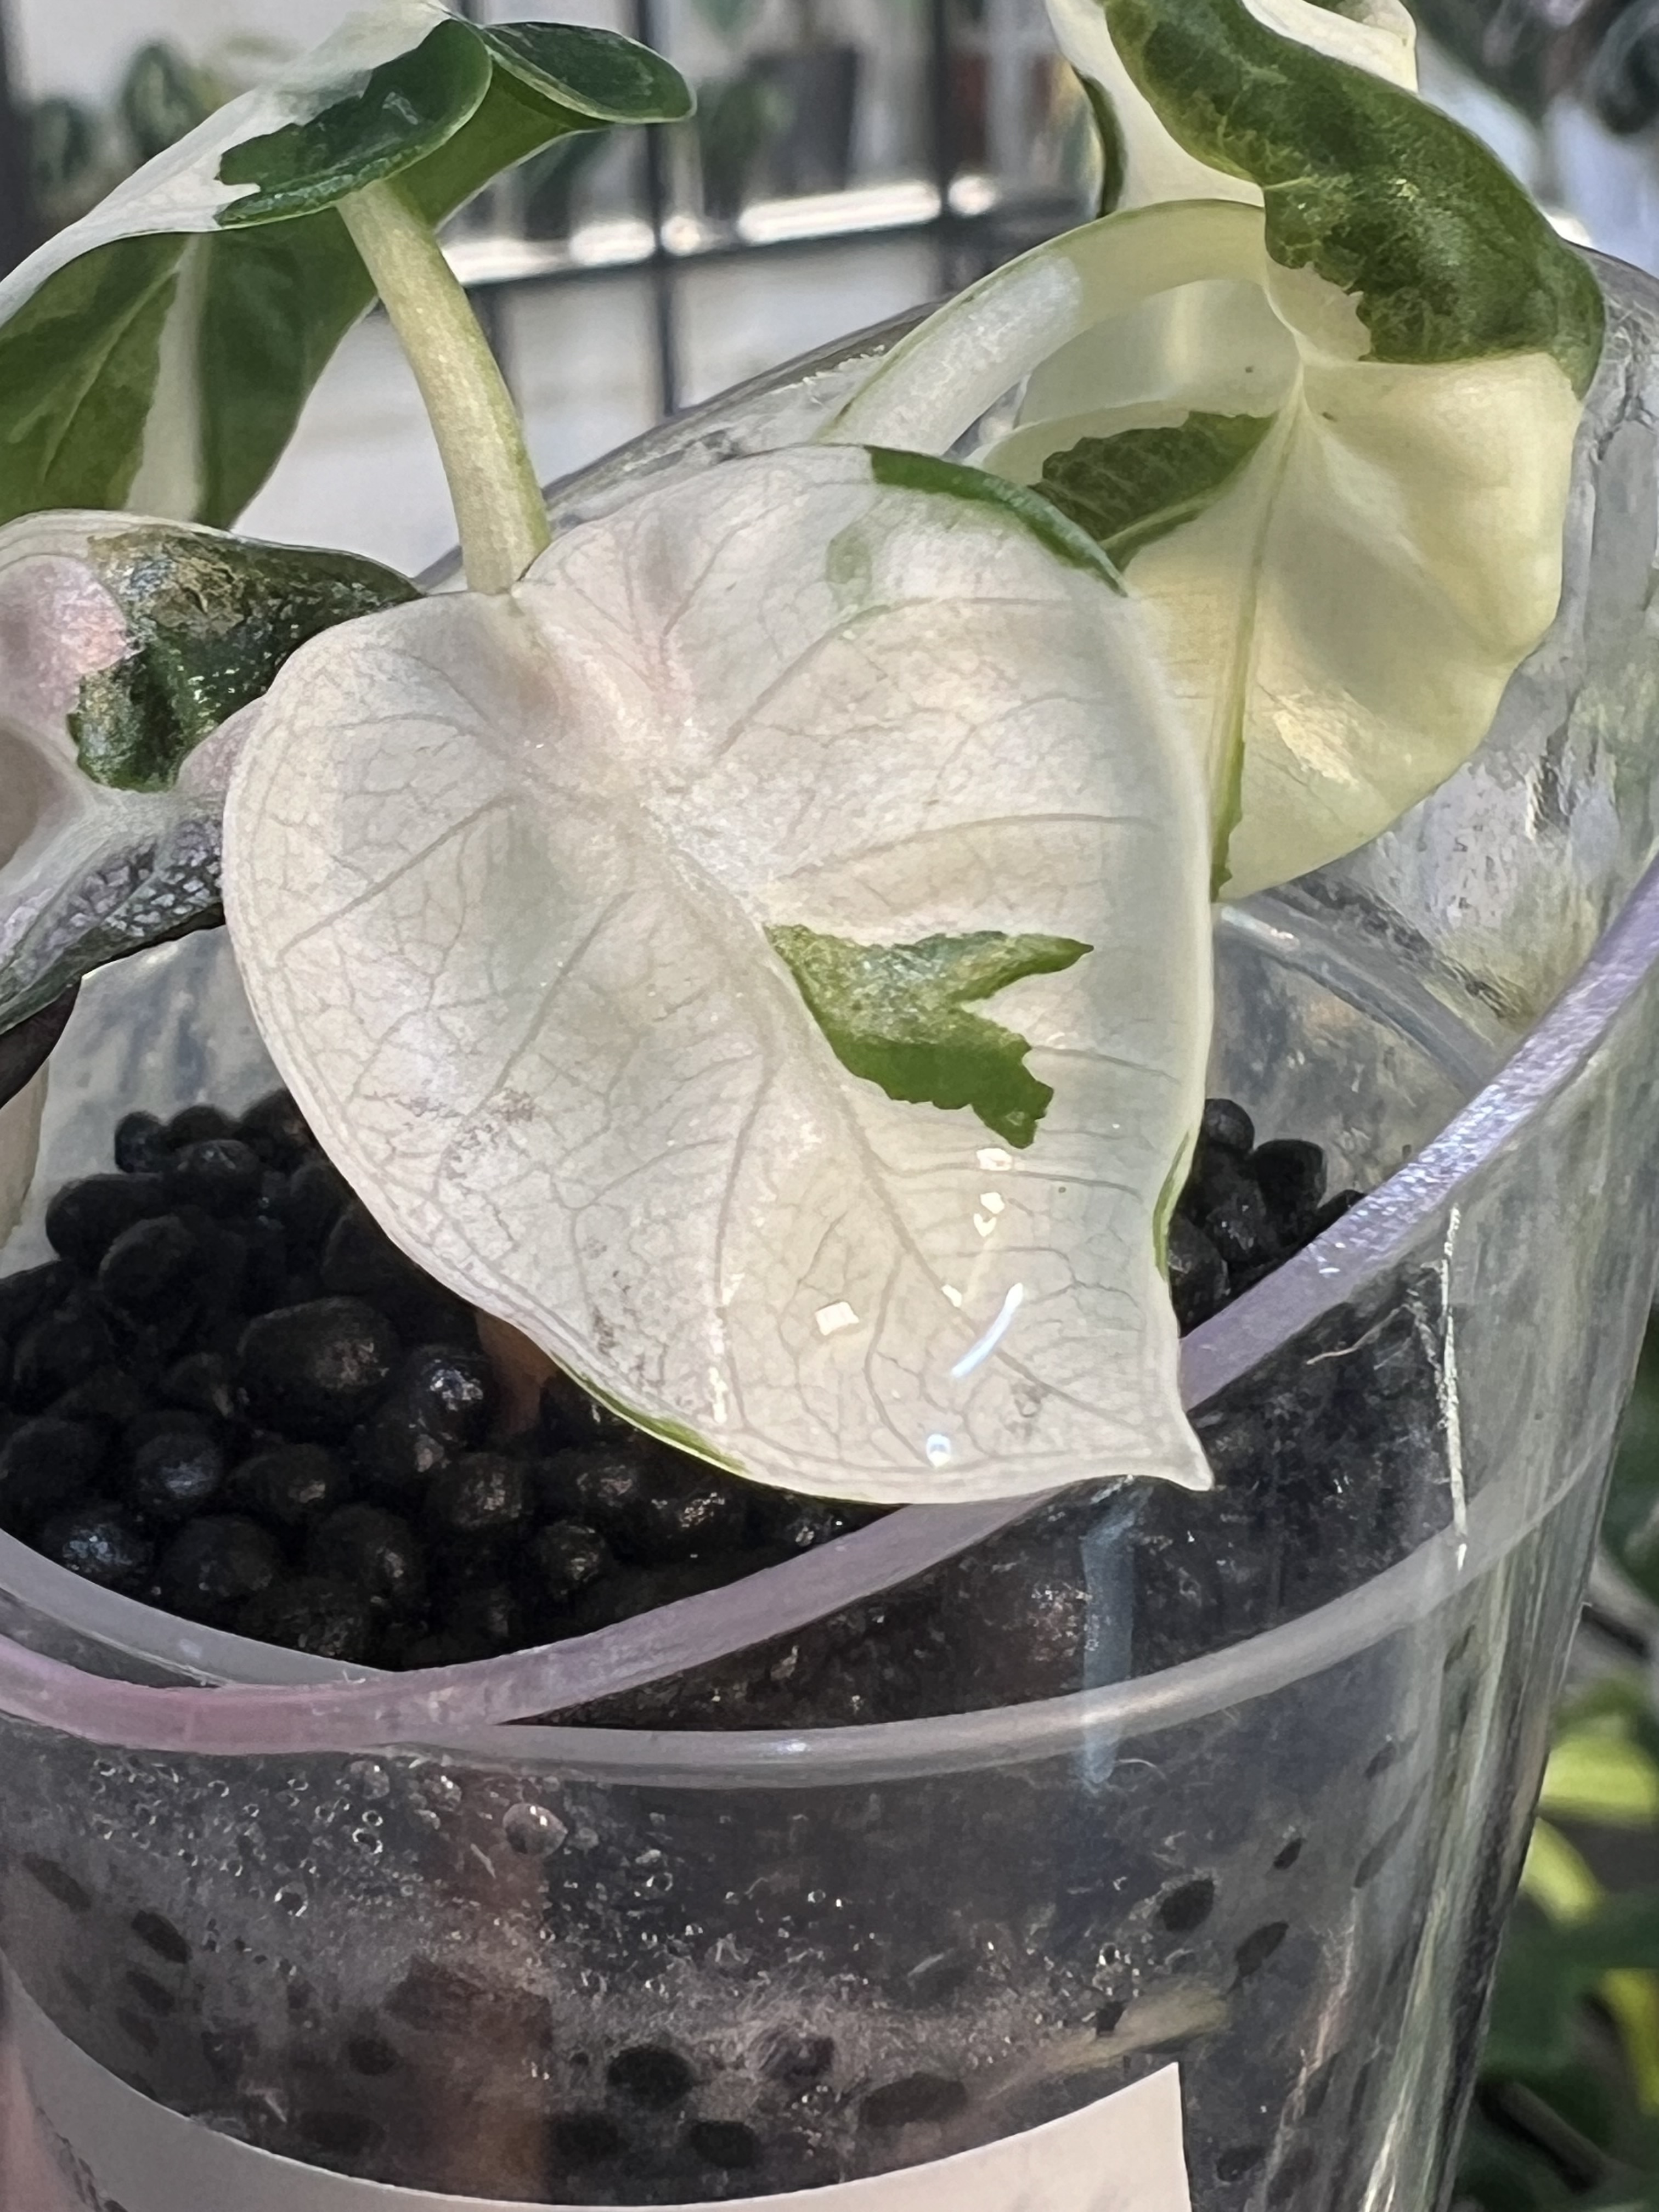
498	501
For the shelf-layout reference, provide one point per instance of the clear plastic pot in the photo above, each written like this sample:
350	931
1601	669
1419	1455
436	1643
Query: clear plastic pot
1117	1782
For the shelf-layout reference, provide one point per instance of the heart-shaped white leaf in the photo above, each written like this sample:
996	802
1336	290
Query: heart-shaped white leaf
643	947
1342	507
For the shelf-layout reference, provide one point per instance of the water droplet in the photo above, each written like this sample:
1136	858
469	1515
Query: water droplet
532	1830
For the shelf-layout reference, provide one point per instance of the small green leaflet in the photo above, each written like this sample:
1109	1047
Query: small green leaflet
211	620
896	1015
1129	490
158	352
127	651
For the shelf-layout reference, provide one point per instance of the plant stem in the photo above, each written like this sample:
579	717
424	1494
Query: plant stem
498	501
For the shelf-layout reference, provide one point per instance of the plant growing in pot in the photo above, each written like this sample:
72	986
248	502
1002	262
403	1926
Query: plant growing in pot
755	942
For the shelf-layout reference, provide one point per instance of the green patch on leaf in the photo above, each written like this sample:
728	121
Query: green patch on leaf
591	72
1114	147
78	365
404	110
211	622
1137	486
1445	257
895	1015
907	471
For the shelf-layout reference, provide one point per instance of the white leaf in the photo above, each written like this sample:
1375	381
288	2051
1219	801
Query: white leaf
500	875
1341	622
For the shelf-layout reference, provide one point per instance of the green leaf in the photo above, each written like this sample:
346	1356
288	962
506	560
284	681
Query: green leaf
78	367
590	73
159	351
1440	253
509	879
1129	490
895	1015
1145	161
1602	1777
405	109
130	647
210	621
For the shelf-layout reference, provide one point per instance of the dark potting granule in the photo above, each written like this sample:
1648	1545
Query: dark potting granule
231	1395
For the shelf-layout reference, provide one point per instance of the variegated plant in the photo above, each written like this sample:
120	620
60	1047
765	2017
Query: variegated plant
758	945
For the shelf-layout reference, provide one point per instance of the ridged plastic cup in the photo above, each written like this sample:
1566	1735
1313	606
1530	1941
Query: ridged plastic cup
393	1933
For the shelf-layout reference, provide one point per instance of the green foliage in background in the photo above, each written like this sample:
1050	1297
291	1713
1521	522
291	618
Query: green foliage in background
1567	2113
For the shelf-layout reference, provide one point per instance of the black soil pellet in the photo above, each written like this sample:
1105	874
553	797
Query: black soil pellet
140	1145
147	1265
918	2099
652	2075
1182	1910
583	2139
84	1218
1291	1176
55	1353
726	2144
484	1495
291	1484
450	1389
103	1543
58	1882
315	1613
160	1936
606	1486
175	1477
316	1194
1234	2165
1228	1127
276	1129
1198	1282
563	1560
315	1369
688	1514
203	1382
222	1174
1109	2017
213	1566
1259	1947
194	1124
46	1465
376	1551
483	1619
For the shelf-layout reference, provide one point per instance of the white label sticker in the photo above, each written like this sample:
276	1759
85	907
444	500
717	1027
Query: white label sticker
118	2152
